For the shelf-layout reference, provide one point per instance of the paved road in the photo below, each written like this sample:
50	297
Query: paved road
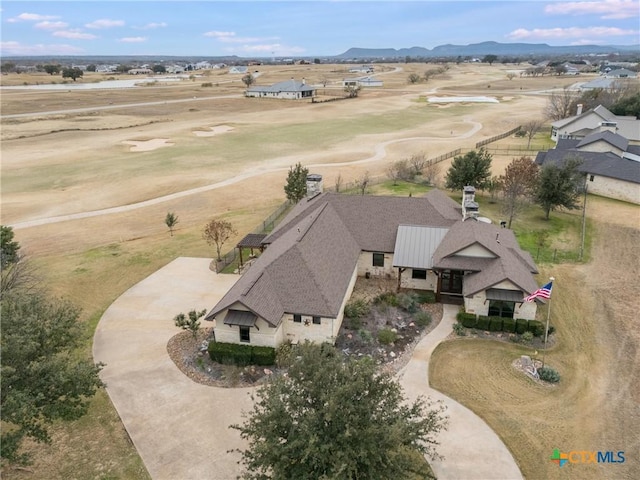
380	152
180	428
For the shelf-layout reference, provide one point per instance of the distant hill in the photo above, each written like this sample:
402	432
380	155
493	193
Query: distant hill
484	48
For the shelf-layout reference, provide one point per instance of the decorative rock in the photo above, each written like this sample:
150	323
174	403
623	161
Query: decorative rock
412	324
392	354
394	330
267	371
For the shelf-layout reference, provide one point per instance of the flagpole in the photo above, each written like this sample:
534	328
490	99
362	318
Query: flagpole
546	330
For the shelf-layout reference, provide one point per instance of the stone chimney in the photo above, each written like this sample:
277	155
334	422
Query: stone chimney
304	81
469	204
579	109
314	185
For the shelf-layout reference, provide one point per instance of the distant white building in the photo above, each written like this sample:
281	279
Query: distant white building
361	69
362	82
289	89
239	69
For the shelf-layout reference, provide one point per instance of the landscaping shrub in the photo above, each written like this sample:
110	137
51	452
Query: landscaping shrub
459	329
284	354
263	356
231	353
366	335
551	329
536	327
422	318
495	324
426	297
467	319
408	302
526	338
386	336
521	325
356	309
509	325
548	374
207	84
389	298
483	323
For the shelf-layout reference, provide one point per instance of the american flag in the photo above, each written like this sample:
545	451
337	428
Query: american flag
542	292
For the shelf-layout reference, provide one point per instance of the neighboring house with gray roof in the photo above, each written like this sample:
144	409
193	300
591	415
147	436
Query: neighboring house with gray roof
298	288
597	119
289	89
610	163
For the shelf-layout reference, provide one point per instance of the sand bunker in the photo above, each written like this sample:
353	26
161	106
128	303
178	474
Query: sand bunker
462	99
148	145
213	131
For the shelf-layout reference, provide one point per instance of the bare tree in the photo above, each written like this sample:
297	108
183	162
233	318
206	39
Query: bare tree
518	186
418	162
363	182
338	182
430	172
531	128
248	80
413	78
19	275
560	104
217	232
352	91
393	173
431	73
511	75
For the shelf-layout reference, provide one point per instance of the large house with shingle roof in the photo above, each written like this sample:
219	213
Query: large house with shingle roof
595	120
609	162
289	89
298	288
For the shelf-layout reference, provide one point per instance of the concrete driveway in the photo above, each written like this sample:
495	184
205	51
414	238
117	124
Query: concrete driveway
180	428
472	450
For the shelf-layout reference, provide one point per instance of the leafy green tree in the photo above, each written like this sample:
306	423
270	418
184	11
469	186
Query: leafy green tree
43	379
629	106
8	246
413	78
217	232
296	186
559	186
73	73
489	59
473	168
518	186
248	80
92	67
52	69
122	68
7	67
191	322
330	418
171	220
159	69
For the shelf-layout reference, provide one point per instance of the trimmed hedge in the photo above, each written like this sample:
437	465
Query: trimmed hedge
536	327
233	353
521	325
483	323
509	325
466	319
495	324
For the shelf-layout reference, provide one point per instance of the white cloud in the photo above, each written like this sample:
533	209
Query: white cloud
570	32
152	25
47	25
133	39
221	35
607	9
33	17
74	35
16	48
105	23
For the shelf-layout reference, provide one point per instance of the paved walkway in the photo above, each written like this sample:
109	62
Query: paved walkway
180	428
471	449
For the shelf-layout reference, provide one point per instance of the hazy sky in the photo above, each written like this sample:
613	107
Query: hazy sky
303	28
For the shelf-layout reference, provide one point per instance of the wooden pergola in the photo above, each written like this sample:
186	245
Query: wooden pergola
251	241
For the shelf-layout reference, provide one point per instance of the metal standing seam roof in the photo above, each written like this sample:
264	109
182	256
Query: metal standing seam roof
415	245
240	317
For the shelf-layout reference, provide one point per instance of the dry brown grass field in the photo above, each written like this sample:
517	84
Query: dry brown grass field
76	162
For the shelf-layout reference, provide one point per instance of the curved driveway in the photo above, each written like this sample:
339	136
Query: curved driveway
180	428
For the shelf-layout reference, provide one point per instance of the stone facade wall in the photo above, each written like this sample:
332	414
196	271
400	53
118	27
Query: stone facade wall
613	188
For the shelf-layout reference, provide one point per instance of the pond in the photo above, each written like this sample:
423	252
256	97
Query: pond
105	84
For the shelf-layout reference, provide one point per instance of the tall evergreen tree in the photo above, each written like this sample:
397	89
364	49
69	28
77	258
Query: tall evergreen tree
473	168
559	186
296	186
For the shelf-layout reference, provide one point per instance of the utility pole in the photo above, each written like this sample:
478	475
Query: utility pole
584	220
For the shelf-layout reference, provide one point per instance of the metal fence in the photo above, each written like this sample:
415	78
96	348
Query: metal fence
498	137
517	149
265	227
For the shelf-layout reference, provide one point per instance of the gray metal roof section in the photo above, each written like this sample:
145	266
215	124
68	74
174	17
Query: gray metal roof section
505	295
415	245
241	318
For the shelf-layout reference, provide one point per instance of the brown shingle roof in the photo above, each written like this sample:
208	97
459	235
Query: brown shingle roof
510	262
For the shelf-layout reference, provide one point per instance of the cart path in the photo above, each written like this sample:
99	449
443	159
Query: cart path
380	152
